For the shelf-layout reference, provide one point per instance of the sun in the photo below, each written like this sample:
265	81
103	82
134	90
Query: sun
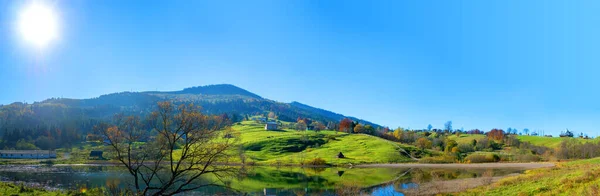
38	24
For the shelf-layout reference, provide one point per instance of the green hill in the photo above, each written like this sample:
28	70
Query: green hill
571	178
466	138
294	147
550	142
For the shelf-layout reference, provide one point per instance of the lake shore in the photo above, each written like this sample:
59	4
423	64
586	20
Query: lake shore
462	165
533	165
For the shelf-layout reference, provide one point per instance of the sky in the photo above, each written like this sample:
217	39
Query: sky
480	64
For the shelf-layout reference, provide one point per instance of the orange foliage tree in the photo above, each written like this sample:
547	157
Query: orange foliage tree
346	125
496	134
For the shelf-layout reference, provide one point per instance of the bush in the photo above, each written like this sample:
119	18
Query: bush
438	159
466	148
528	158
482	158
316	161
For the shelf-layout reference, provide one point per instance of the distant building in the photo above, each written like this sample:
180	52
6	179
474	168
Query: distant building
27	154
271	126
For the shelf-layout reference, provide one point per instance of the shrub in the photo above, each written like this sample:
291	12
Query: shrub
482	158
316	161
438	159
528	158
466	148
423	143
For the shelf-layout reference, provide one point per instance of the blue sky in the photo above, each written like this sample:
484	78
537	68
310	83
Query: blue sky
481	64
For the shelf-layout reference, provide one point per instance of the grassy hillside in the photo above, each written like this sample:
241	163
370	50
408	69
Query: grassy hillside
551	142
466	138
571	178
294	147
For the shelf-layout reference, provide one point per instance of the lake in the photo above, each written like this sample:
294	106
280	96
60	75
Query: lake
277	181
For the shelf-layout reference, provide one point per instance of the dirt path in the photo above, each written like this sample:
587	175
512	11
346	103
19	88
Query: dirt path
461	166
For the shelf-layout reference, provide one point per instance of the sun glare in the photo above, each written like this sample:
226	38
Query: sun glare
38	24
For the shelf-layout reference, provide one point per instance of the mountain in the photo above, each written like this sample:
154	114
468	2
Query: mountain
219	89
214	99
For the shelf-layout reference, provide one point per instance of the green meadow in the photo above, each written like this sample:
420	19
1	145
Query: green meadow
294	147
466	138
581	177
551	142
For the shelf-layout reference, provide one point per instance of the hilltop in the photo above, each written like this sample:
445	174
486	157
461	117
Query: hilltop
214	99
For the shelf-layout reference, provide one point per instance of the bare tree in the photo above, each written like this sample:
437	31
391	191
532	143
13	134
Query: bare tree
448	126
187	145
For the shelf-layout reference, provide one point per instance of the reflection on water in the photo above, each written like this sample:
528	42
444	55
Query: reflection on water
278	181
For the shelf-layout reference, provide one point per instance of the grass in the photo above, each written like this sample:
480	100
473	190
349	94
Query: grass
80	153
14	189
580	177
286	146
551	142
294	147
466	138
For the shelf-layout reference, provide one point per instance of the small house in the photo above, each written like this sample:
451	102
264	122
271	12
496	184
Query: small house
271	126
27	154
96	154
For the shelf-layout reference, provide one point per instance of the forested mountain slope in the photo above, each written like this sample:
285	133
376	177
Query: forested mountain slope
74	118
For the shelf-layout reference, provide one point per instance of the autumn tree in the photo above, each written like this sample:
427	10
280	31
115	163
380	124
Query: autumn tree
359	128
346	125
450	144
496	134
423	143
301	124
318	126
186	146
271	115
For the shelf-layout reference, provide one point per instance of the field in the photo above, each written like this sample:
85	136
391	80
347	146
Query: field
466	138
551	142
291	147
15	189
568	178
294	147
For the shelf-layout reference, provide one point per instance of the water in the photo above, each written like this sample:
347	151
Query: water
276	181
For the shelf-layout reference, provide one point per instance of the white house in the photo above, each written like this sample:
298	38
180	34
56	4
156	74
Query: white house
27	154
271	126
